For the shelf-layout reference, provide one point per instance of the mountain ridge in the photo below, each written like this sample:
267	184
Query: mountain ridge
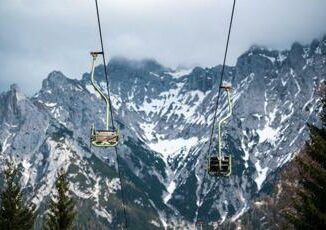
165	117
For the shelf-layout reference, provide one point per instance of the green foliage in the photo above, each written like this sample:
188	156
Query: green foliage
310	209
13	214
61	213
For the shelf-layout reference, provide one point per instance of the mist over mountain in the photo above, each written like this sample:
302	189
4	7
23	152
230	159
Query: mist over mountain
165	119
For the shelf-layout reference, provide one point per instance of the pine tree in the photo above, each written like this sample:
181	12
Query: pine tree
310	208
61	213
13	214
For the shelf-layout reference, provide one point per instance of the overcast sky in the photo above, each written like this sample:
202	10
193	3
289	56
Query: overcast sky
38	36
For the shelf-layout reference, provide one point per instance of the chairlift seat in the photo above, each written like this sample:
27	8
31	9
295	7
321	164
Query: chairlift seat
104	138
215	169
108	137
226	87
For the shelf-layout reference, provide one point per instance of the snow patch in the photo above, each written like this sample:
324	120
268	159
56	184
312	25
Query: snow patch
262	173
180	73
116	101
318	50
285	117
59	157
91	89
168	147
26	172
272	59
296	82
239	214
48	104
154	74
300	131
96	191
267	134
160	214
260	203
79	193
257	115
155	223
170	190
5	143
281	57
148	129
103	213
113	185
245	149
20	96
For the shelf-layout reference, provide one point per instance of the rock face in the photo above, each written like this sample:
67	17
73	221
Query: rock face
165	120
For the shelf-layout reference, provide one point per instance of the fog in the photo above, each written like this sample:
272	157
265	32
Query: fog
37	36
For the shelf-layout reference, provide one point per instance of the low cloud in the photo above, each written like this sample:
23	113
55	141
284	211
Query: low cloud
40	36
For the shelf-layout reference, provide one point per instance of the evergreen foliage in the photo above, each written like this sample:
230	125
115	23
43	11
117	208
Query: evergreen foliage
61	213
13	214
310	208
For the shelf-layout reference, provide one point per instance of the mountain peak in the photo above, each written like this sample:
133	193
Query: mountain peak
55	78
297	48
56	75
119	66
15	88
15	92
168	113
143	64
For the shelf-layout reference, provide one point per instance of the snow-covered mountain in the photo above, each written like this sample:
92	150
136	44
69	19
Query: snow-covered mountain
165	119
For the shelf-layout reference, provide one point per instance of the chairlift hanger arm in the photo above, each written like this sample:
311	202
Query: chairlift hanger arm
97	88
104	61
108	100
95	53
229	114
202	196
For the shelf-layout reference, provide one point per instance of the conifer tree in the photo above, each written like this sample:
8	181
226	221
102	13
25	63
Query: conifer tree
13	214
310	209
61	213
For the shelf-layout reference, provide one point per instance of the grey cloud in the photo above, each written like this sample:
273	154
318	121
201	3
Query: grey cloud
39	36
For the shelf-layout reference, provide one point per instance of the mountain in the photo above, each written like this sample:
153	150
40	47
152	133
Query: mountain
165	119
